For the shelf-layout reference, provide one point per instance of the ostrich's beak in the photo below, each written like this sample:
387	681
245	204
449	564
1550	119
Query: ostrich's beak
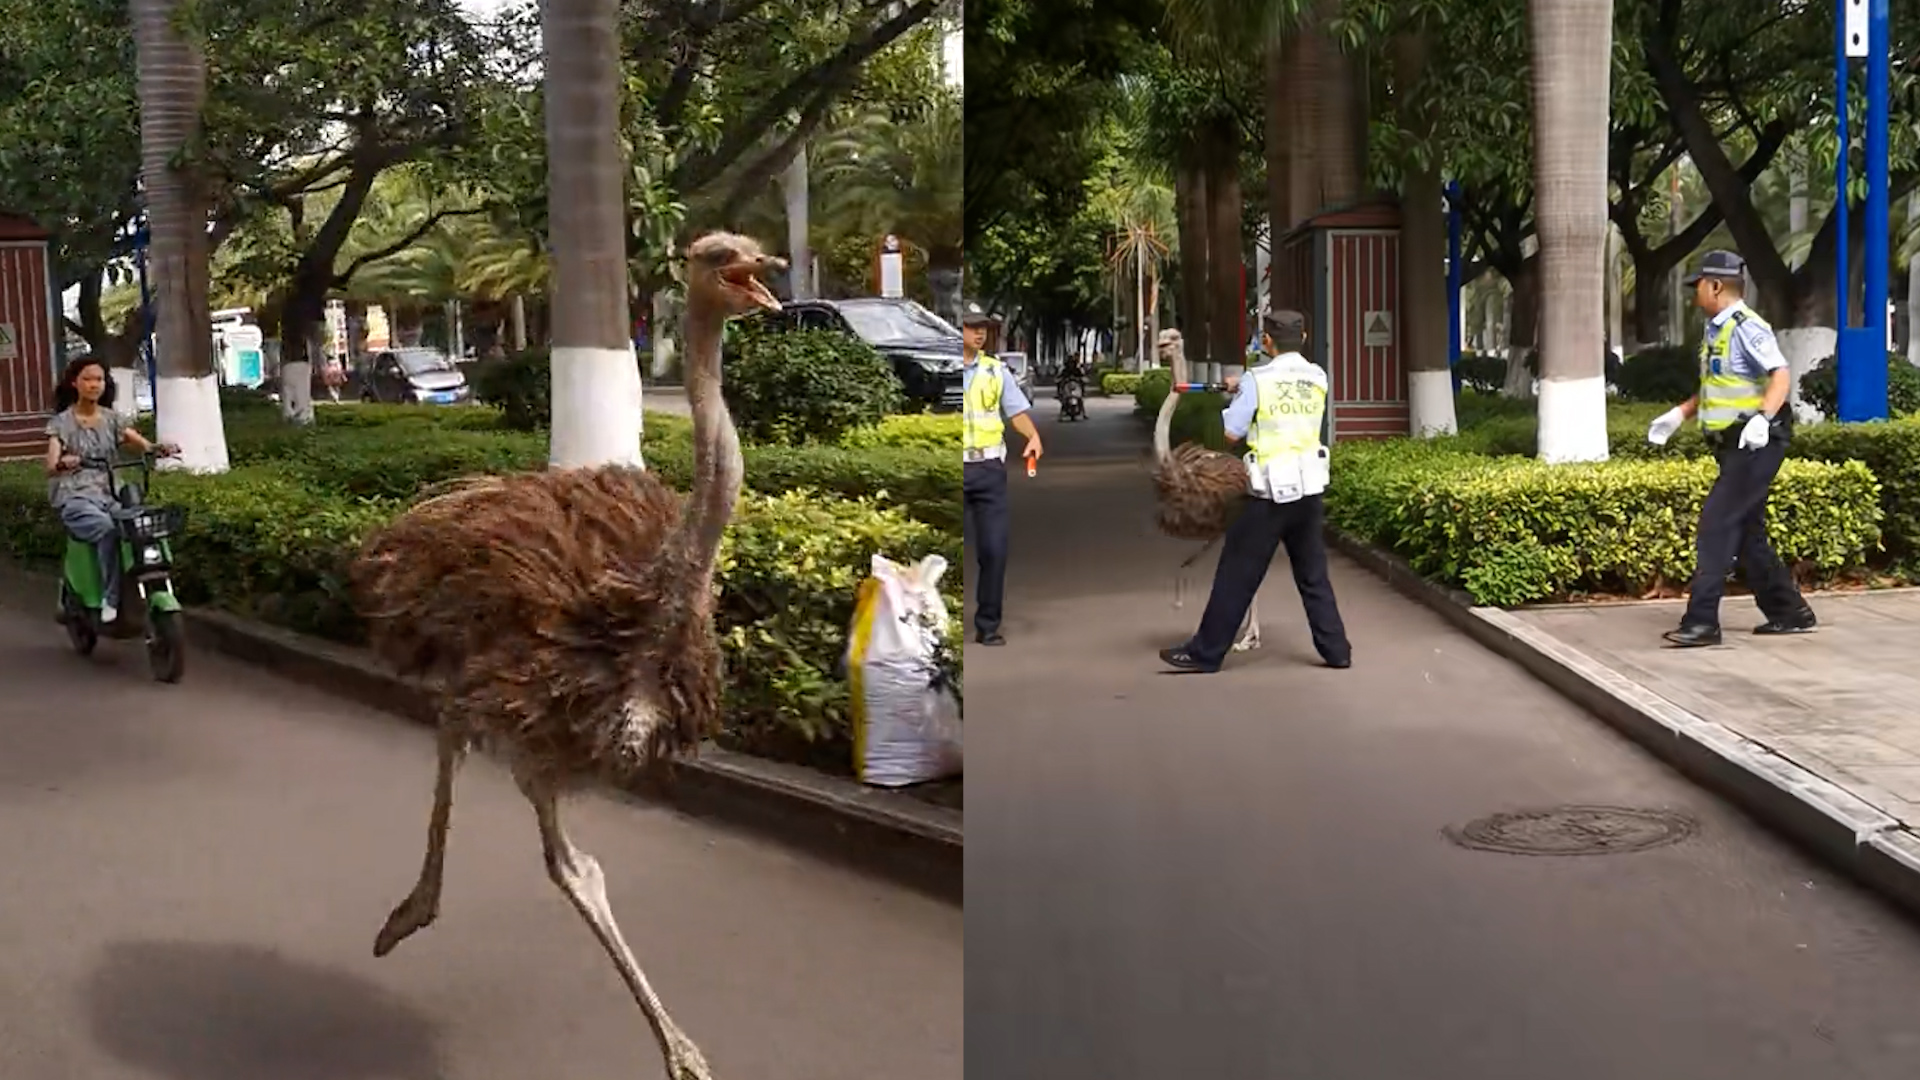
743	277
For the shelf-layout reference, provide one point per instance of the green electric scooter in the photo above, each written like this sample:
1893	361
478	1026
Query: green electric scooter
146	570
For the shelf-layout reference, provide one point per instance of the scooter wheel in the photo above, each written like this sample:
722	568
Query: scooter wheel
166	646
80	633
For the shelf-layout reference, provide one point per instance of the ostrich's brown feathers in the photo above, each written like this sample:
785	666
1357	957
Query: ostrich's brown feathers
1201	491
554	613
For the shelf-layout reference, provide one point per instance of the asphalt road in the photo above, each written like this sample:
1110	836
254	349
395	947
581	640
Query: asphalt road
1244	876
191	879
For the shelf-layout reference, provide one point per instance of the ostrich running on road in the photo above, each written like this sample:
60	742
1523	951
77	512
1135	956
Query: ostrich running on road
1201	490
564	619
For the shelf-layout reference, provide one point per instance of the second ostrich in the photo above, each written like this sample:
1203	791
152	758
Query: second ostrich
1201	490
564	619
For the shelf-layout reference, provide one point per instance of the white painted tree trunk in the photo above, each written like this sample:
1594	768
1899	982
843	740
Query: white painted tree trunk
1616	296
296	391
519	321
187	413
596	376
663	344
1572	50
1804	347
126	392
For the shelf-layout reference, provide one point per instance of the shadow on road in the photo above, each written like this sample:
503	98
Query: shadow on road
195	1011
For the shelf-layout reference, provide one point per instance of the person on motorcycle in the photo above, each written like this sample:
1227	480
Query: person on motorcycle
82	436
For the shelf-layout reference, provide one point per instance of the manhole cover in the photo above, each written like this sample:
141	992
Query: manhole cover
1574	830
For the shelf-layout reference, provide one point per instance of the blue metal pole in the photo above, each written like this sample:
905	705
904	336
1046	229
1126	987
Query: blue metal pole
1453	281
1845	366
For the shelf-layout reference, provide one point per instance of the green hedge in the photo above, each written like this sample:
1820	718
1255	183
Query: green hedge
1890	450
262	542
1119	383
394	451
1512	531
1820	387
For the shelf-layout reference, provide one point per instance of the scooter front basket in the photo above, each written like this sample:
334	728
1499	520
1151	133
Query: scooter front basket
150	523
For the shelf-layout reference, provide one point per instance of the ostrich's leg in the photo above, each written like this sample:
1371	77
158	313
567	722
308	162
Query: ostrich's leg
580	877
1249	630
417	911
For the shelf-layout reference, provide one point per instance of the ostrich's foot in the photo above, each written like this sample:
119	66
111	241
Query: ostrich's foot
417	911
683	1058
1249	632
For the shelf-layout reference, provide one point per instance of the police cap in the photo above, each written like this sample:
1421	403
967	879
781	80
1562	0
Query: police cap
972	314
1724	265
1286	328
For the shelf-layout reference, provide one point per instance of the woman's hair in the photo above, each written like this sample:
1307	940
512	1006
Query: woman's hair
66	394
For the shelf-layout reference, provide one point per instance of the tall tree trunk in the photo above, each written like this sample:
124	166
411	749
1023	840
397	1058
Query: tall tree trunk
596	377
800	253
1913	284
1280	149
1226	273
1616	295
1425	329
171	79
1190	208
1572	49
1522	327
1650	298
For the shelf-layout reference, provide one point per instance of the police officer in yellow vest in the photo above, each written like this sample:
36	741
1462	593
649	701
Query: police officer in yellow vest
993	400
1743	411
1278	407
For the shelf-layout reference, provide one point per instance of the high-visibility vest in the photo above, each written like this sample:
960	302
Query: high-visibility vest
985	430
1727	396
1290	406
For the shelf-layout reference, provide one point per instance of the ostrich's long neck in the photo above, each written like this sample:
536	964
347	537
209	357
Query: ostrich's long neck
717	466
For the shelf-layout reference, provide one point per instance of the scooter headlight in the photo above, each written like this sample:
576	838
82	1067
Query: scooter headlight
151	555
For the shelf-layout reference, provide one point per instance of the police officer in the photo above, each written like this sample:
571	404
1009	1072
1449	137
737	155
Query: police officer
1278	408
993	400
1743	411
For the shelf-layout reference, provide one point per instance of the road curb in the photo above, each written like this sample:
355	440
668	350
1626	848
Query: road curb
889	834
1833	823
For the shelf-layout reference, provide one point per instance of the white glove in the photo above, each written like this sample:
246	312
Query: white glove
1754	435
1665	425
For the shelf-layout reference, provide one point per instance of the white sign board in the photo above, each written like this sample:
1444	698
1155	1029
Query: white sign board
893	278
1856	22
9	344
244	337
1376	329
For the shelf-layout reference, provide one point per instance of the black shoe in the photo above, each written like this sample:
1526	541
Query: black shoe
1801	622
1341	662
989	637
1693	636
1182	660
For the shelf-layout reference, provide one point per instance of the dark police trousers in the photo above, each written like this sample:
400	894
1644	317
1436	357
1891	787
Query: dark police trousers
983	486
1733	527
1252	539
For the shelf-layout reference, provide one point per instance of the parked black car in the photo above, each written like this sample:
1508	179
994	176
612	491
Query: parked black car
414	376
925	349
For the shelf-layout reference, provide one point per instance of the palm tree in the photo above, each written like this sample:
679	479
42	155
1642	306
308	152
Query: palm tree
1572	47
596	377
171	79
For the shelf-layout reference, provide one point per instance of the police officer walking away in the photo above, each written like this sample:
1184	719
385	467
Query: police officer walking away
993	400
1742	406
1278	408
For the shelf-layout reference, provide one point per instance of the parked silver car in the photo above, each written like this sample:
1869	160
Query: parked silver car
1022	368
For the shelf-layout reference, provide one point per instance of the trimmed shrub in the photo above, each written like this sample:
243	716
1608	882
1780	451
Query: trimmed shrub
1483	373
918	431
1150	390
1820	387
806	386
1119	383
1665	376
1513	531
520	386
